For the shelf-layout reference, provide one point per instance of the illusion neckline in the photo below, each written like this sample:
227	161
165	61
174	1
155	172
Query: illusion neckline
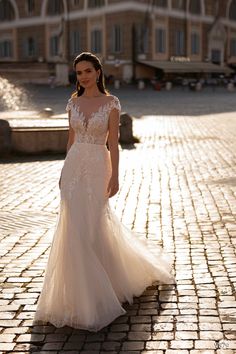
86	119
91	97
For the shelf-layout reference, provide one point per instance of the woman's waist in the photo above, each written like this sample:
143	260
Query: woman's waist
92	148
89	143
85	154
98	139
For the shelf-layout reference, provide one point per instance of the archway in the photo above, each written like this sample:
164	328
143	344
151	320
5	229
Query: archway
45	4
231	10
86	4
179	5
12	4
196	7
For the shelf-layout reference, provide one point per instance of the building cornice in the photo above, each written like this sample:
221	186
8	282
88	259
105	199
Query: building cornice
109	9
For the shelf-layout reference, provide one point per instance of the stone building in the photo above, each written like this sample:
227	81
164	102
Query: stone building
134	39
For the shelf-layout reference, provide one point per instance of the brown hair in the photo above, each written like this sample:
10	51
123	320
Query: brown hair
87	56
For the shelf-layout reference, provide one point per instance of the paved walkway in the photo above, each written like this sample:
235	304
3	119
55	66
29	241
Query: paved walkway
178	187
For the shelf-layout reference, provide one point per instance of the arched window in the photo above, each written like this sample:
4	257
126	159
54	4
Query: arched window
232	10
195	7
6	49
31	47
6	11
96	3
96	41
55	7
30	6
179	4
160	3
54	45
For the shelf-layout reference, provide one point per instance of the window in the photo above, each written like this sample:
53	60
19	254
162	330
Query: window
116	39
232	10
160	36
215	8
216	56
54	46
30	6
179	4
195	43
6	11
195	7
179	43
95	3
75	42
6	49
30	50
96	41
160	3
55	7
141	39
233	47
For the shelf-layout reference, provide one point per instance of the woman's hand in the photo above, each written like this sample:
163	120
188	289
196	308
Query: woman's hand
113	186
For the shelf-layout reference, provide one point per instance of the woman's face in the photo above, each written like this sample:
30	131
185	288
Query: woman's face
86	74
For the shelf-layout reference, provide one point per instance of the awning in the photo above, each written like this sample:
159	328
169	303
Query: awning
187	67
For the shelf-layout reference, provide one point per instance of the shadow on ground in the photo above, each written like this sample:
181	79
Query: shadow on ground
46	156
16	158
127	332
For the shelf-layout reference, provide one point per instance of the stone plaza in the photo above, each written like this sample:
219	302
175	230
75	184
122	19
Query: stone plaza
177	189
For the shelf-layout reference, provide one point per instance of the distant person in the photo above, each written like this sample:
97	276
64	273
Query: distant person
184	83
95	262
51	81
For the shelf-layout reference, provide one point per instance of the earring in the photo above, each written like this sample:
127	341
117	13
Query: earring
97	79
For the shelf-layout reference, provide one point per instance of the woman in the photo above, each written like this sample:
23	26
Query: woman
95	263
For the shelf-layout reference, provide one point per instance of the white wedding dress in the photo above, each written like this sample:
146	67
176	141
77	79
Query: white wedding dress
95	262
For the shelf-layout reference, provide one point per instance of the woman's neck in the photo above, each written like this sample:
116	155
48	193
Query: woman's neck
92	92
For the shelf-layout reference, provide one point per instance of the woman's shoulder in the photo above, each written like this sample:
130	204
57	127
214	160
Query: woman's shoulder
113	97
73	98
71	102
114	101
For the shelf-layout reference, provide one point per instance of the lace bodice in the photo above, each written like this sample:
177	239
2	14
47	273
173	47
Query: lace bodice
89	117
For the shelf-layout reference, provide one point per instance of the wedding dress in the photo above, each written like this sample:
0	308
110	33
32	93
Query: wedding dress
95	263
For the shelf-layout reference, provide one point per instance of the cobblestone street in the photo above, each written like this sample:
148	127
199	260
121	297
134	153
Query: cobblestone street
178	189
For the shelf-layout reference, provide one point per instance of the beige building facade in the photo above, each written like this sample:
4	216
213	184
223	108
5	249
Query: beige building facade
134	39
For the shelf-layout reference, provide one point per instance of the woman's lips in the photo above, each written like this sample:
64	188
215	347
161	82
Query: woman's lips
85	82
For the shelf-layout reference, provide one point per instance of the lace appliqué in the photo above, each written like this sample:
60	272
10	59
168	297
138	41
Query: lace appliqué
114	103
102	111
80	168
81	161
93	129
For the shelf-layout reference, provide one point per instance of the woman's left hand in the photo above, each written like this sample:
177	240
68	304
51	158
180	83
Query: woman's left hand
113	186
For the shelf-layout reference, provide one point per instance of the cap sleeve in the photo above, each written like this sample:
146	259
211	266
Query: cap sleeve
69	105
115	103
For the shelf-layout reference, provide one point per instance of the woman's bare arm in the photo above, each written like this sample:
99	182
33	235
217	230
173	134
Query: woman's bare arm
71	139
113	137
71	136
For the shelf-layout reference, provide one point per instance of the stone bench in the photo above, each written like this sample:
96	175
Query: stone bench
47	135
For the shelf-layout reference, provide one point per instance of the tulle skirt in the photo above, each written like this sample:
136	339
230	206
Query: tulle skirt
95	263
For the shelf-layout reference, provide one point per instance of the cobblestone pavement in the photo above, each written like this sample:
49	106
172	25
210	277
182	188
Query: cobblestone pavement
178	188
136	102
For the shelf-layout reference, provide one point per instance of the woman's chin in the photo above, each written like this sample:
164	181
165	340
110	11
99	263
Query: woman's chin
88	86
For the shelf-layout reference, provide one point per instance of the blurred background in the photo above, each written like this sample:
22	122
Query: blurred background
149	42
